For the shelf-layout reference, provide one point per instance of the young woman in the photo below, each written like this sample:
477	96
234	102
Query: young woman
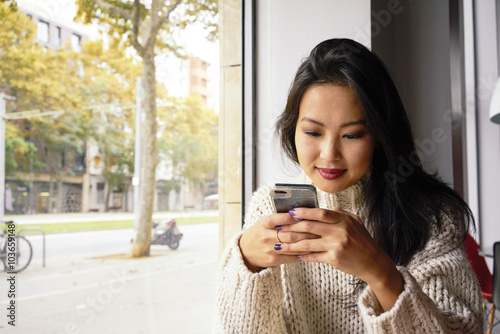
384	252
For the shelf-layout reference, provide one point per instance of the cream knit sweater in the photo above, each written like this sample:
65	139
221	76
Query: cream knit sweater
441	294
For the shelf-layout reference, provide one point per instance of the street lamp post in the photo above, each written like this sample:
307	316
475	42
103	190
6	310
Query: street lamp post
3	98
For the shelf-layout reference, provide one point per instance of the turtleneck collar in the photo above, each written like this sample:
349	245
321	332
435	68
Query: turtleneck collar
350	199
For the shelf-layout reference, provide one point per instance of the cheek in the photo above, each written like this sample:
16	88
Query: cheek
367	156
362	155
305	150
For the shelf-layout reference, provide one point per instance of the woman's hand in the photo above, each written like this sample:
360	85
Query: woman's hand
260	246
346	245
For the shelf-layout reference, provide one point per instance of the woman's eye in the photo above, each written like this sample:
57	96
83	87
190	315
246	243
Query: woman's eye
353	135
312	134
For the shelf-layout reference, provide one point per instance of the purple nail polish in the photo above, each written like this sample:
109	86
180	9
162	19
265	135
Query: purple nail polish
277	247
291	212
298	219
299	256
278	228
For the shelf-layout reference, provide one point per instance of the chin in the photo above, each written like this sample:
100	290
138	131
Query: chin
331	187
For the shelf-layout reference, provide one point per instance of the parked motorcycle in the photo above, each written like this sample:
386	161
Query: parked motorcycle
165	232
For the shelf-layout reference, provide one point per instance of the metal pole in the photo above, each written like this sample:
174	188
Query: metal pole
2	156
458	138
3	98
136	180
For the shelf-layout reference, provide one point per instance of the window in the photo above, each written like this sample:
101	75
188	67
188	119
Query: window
57	41
42	32
70	160
75	42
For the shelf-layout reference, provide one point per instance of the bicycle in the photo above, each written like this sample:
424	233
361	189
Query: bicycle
15	250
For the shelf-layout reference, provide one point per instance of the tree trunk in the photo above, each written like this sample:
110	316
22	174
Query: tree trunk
106	201
142	240
59	204
51	192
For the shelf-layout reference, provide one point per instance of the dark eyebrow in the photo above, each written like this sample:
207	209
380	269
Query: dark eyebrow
358	122
307	119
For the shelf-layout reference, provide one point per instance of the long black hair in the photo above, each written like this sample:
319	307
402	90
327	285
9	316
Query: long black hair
402	201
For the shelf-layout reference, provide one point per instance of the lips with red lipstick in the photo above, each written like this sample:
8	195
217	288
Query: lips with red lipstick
331	173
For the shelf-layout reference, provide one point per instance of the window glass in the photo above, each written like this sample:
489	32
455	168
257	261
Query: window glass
74	101
43	32
75	42
58	37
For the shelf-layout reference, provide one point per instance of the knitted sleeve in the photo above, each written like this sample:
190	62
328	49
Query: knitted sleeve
441	293
248	302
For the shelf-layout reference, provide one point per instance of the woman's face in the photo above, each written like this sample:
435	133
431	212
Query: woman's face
334	145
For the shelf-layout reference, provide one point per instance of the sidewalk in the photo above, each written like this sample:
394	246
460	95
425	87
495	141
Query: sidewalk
86	288
102	216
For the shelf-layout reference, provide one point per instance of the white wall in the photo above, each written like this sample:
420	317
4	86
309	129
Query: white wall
488	132
286	32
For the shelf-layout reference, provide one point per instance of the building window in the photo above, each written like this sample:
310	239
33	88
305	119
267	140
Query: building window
58	37
100	193
42	32
76	42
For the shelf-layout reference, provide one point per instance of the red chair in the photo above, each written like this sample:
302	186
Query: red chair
483	275
480	267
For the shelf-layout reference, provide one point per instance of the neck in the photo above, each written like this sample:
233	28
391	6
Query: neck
350	199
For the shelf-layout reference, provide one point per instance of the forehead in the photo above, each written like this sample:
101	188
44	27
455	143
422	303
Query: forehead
330	101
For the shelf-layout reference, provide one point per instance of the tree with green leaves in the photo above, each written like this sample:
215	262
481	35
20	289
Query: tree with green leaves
109	95
15	146
188	139
12	4
16	40
60	148
31	73
115	146
18	151
148	26
34	76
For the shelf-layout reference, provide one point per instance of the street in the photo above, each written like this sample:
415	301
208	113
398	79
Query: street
88	285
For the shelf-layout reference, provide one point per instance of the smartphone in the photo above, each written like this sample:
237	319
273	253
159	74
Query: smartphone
287	196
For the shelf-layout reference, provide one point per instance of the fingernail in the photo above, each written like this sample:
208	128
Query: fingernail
291	212
299	256
298	219
278	228
277	247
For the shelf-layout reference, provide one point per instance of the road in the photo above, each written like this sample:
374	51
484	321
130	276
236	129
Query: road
89	286
102	216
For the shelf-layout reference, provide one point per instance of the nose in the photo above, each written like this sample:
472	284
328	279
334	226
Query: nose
330	150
